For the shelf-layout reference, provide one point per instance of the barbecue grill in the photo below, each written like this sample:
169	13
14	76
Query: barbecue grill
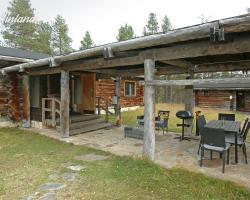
184	115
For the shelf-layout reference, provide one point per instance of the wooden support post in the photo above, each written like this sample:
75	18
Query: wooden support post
99	105
189	103
106	111
53	108
48	85
65	99
26	101
43	111
118	104
168	91
149	124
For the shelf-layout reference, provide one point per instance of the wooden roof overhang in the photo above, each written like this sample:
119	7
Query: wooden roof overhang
6	61
222	45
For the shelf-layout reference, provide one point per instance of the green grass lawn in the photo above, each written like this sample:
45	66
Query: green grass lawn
27	159
129	117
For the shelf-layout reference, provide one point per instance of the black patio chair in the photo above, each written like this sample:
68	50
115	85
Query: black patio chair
140	120
226	117
214	140
161	120
241	140
244	126
201	122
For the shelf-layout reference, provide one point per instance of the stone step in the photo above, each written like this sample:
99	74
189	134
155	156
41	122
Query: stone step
84	124
81	118
90	128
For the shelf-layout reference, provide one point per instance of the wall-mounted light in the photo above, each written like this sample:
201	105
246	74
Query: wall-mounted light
230	97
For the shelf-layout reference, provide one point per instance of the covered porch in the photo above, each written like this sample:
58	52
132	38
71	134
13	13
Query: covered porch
221	45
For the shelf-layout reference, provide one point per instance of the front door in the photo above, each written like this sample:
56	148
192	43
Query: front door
240	100
88	92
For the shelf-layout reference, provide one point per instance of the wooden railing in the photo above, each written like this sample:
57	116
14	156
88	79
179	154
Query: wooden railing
103	104
52	107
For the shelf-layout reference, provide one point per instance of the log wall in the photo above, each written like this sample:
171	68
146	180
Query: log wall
9	97
105	88
4	96
213	99
247	101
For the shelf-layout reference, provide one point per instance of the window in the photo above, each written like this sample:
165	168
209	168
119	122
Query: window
206	93
129	89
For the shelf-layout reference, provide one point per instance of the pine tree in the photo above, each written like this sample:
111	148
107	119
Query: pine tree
61	41
43	38
125	32
19	35
152	26
166	24
87	42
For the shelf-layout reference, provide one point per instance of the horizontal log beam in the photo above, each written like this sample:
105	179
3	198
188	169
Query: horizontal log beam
195	82
195	49
178	63
162	70
14	59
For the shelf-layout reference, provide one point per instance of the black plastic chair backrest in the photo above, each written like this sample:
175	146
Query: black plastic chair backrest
213	136
227	117
140	117
163	114
245	132
201	121
244	126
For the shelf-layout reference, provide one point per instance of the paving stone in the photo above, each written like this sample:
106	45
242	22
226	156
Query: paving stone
76	167
91	157
52	186
67	164
68	176
48	196
53	176
28	198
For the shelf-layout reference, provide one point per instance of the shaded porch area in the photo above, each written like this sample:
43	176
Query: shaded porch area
170	153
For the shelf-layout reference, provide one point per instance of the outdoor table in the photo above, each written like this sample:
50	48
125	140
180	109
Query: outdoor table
230	127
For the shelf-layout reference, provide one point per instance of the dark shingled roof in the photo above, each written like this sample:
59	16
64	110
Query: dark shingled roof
223	86
18	53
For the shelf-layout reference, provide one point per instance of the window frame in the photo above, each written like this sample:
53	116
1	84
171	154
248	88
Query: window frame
128	82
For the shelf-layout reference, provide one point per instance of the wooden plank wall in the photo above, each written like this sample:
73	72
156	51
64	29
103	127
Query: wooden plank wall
105	88
213	99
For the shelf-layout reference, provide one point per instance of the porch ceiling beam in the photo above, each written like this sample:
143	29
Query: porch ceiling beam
223	66
161	70
196	81
179	63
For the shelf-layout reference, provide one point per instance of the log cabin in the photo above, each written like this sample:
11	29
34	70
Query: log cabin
234	96
89	92
9	90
